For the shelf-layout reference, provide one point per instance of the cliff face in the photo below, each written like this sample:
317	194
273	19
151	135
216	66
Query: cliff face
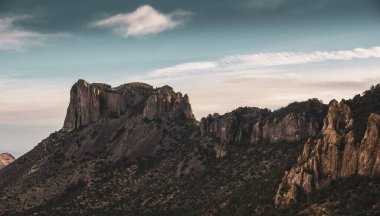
231	129
336	154
168	104
5	159
293	127
90	103
294	123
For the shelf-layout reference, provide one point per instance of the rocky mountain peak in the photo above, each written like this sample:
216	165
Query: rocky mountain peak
5	159
141	147
336	153
164	102
338	117
90	103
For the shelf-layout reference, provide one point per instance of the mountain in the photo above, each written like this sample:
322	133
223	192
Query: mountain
5	159
346	146
138	150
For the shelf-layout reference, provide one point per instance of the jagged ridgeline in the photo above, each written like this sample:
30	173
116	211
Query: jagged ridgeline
347	146
138	150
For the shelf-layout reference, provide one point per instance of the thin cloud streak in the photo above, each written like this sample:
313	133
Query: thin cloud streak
234	63
291	58
182	68
145	20
270	80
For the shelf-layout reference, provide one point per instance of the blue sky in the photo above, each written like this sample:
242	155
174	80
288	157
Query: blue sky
224	54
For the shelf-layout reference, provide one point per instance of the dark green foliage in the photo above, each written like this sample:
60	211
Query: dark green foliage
356	195
256	196
312	108
362	106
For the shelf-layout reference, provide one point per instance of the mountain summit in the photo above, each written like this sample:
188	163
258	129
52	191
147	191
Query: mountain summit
138	150
5	159
90	103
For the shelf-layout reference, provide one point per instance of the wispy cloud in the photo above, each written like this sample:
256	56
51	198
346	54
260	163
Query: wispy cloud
264	60
265	4
145	20
184	68
290	58
15	37
270	80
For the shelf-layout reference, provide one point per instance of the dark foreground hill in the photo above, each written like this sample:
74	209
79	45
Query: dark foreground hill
138	150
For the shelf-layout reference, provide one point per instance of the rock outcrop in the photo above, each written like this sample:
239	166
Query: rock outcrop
293	127
5	159
93	102
231	129
294	123
168	104
335	154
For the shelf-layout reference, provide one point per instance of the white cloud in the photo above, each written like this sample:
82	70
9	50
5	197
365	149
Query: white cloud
234	63
145	20
14	37
290	58
184	68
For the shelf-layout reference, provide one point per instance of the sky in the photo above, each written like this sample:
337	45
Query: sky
222	53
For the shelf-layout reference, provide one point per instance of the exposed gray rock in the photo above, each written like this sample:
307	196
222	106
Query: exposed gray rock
294	123
165	103
291	128
231	129
90	103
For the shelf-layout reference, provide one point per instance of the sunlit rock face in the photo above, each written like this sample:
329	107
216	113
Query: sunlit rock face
5	159
335	154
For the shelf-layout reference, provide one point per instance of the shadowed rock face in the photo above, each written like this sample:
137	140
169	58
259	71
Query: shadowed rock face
165	103
335	154
294	123
231	129
5	159
90	103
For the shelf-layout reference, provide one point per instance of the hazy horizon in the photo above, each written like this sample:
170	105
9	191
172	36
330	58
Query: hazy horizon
223	54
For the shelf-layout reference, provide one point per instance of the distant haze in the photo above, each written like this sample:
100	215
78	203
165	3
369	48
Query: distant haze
223	54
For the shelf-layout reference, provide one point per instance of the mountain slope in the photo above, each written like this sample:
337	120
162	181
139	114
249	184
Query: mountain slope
138	150
342	149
